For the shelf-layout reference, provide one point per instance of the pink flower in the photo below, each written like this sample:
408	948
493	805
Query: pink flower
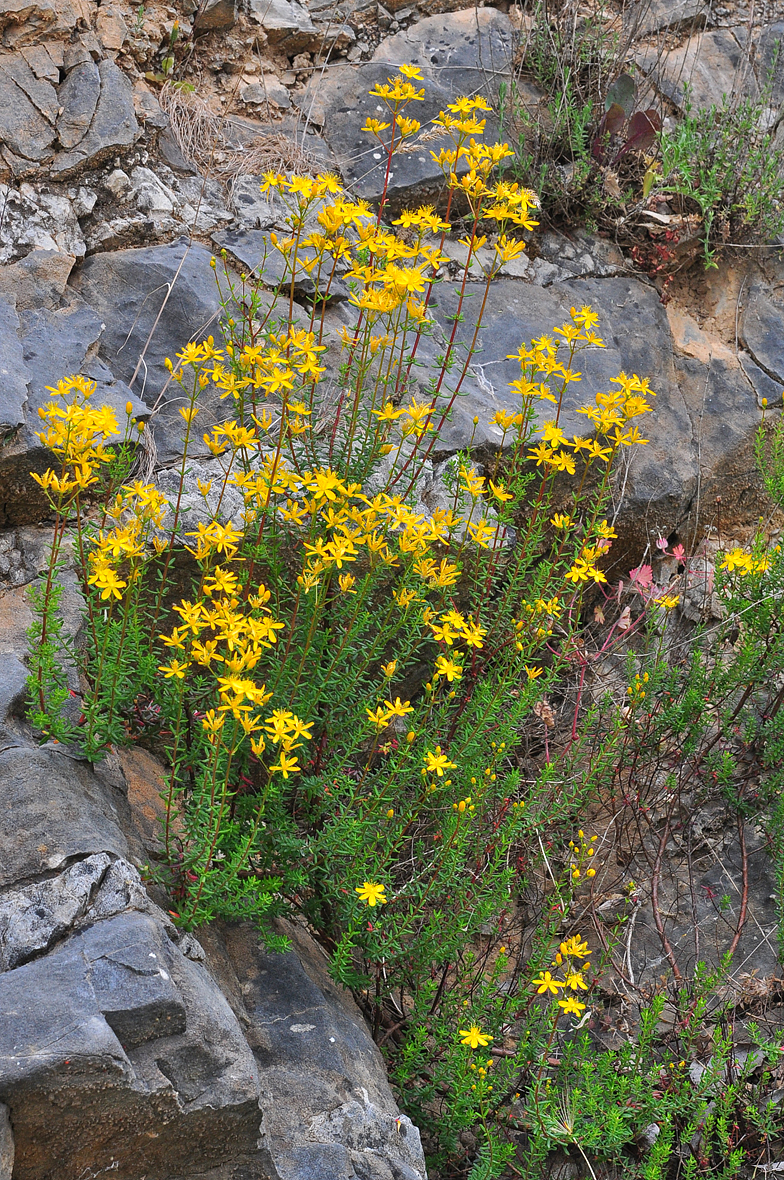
642	577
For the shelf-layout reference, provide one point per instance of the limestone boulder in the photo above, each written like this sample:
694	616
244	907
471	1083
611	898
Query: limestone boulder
152	301
463	53
64	127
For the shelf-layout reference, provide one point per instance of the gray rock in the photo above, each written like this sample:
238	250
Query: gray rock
57	343
256	210
222	503
121	889
266	89
150	193
6	1144
252	249
286	23
117	183
77	53
215	14
83	200
699	435
462	53
128	289
43	62
52	808
113	124
763	384
725	413
13	373
30	220
662	15
713	64
130	975
24	130
172	154
111	28
761	329
38	280
182	1094
78	96
715	901
32	16
34	918
635	329
344	1121
41	93
52	343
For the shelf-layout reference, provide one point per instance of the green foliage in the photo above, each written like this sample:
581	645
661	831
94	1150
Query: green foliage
355	693
720	163
725	158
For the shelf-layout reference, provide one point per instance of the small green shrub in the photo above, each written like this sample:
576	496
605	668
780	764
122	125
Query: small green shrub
347	688
725	159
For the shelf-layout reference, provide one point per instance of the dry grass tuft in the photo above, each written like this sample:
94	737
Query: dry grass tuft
210	142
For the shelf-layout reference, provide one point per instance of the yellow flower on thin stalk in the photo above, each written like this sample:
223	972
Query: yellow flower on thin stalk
474	1038
437	763
546	983
371	893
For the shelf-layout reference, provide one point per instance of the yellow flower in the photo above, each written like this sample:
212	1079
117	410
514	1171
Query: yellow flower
175	670
447	667
437	763
474	1037
561	522
532	673
571	1005
404	598
389	669
379	718
213	722
285	765
371	893
575	946
399	708
545	983
105	579
499	491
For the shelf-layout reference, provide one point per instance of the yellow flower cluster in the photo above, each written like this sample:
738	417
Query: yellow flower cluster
77	433
381	528
581	852
540	616
636	691
383	714
117	555
568	959
225	637
468	165
453	627
396	271
738	561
